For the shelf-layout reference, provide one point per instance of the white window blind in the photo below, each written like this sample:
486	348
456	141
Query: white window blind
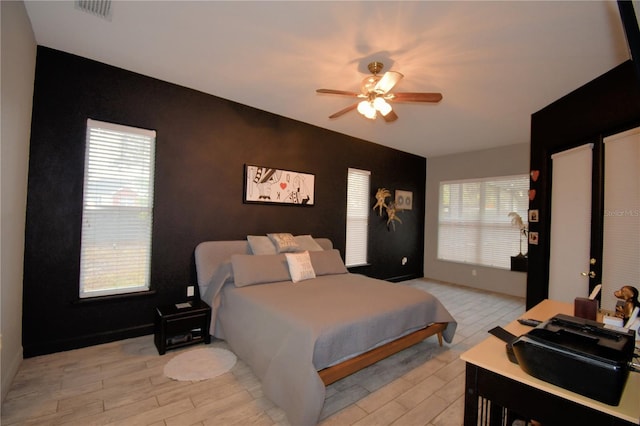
473	220
621	243
357	217
117	211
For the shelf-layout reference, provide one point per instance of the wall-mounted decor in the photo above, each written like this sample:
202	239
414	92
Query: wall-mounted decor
533	238
404	200
390	209
276	186
533	215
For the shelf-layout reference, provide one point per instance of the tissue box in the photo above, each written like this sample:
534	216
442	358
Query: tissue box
585	308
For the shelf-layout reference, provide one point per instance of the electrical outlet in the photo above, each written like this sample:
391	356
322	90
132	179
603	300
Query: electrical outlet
190	291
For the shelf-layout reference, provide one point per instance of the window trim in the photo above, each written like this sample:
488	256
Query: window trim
356	252
93	195
499	221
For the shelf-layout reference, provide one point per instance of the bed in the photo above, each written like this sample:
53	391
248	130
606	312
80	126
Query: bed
299	333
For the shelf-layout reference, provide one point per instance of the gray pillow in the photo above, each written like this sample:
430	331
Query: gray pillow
261	244
307	243
327	262
249	269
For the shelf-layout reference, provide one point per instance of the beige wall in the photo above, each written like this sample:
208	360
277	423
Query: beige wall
504	161
17	62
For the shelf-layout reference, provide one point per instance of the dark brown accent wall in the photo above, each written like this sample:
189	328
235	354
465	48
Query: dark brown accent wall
605	106
202	145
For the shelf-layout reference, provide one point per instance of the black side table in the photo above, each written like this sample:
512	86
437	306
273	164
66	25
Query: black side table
182	324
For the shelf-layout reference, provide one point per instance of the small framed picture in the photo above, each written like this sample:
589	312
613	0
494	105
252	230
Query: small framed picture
404	200
533	215
533	238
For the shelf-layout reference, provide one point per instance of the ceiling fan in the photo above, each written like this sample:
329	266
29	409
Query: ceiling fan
376	92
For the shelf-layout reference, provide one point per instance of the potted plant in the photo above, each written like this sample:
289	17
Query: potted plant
519	262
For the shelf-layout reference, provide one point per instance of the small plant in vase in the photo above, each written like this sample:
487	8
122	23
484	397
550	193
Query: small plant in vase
516	220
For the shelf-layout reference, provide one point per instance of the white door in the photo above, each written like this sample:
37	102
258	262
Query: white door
570	224
621	238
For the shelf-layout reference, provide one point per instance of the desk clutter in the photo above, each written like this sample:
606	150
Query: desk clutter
577	354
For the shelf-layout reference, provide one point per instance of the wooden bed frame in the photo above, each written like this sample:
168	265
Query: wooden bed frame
214	254
350	366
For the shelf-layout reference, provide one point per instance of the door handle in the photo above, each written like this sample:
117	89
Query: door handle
590	274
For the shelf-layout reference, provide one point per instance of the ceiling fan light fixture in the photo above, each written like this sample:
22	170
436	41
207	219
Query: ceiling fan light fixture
388	82
382	106
367	109
375	91
369	83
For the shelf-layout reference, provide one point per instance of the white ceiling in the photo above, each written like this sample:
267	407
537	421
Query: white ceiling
495	63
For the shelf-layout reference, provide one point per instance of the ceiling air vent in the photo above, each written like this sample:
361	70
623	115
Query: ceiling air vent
99	8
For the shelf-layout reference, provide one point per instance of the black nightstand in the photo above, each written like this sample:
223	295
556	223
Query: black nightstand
182	324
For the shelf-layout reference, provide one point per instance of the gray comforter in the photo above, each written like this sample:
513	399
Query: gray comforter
286	332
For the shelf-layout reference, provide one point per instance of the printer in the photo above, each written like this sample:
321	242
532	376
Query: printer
578	354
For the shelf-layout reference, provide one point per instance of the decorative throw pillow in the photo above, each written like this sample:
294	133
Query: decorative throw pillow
261	244
284	242
249	269
306	242
327	262
300	267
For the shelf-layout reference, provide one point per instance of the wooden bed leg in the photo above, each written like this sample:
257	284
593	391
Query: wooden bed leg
440	338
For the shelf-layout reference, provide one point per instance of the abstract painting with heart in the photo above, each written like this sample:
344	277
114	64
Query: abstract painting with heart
270	185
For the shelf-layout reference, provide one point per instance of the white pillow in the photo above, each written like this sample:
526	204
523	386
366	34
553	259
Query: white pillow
300	267
284	242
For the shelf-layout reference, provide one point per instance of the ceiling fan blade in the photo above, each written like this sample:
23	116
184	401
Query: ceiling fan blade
344	111
337	92
416	97
388	81
391	116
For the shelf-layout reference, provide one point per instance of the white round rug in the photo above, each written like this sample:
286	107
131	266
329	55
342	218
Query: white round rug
200	364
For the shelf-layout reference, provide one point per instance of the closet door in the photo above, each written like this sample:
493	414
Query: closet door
621	224
571	204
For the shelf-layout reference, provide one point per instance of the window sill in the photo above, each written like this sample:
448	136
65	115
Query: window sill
355	267
113	297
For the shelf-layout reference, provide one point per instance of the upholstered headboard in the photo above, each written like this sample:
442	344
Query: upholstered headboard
210	254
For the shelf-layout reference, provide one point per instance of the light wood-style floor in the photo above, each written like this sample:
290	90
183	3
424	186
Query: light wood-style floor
122	383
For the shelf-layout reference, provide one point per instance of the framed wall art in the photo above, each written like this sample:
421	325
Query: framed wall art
276	186
404	200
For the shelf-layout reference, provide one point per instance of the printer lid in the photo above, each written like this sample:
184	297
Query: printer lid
585	337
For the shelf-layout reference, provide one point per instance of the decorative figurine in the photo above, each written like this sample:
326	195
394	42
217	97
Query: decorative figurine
629	296
381	196
516	220
391	212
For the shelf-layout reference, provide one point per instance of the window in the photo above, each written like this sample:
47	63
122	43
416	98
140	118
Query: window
357	217
473	220
117	210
